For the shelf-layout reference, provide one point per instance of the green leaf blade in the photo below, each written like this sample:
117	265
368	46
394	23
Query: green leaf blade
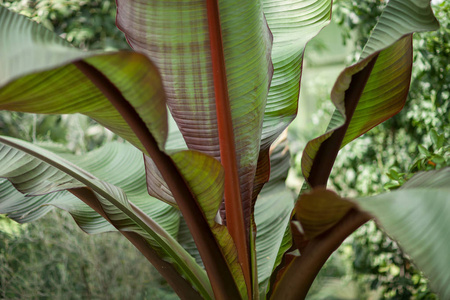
36	85
205	176
417	217
176	37
384	72
293	24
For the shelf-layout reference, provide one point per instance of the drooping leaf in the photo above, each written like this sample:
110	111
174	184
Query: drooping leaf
417	217
35	171
372	90
14	204
38	67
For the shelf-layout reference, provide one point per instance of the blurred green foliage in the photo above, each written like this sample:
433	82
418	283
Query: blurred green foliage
43	261
77	133
87	24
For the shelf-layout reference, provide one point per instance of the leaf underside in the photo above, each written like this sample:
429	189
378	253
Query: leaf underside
417	217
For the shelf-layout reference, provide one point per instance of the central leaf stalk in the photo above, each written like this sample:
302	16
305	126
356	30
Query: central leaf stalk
233	202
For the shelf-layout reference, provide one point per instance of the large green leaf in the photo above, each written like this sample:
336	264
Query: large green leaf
176	37
372	90
37	68
293	24
417	217
35	171
117	163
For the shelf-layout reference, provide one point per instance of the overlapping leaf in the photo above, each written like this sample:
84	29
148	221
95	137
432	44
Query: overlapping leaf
272	214
206	178
365	97
417	217
35	171
156	185
121	165
293	24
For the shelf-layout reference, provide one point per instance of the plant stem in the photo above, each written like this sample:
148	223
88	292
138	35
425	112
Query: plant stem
298	277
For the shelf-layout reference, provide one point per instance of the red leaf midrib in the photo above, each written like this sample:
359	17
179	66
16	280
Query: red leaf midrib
233	202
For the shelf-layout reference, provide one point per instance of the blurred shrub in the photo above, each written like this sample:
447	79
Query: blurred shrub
84	23
53	259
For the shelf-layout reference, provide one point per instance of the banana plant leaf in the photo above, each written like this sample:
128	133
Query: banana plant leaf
372	90
120	165
320	210
179	42
188	76
229	72
365	94
416	216
272	214
293	24
38	66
